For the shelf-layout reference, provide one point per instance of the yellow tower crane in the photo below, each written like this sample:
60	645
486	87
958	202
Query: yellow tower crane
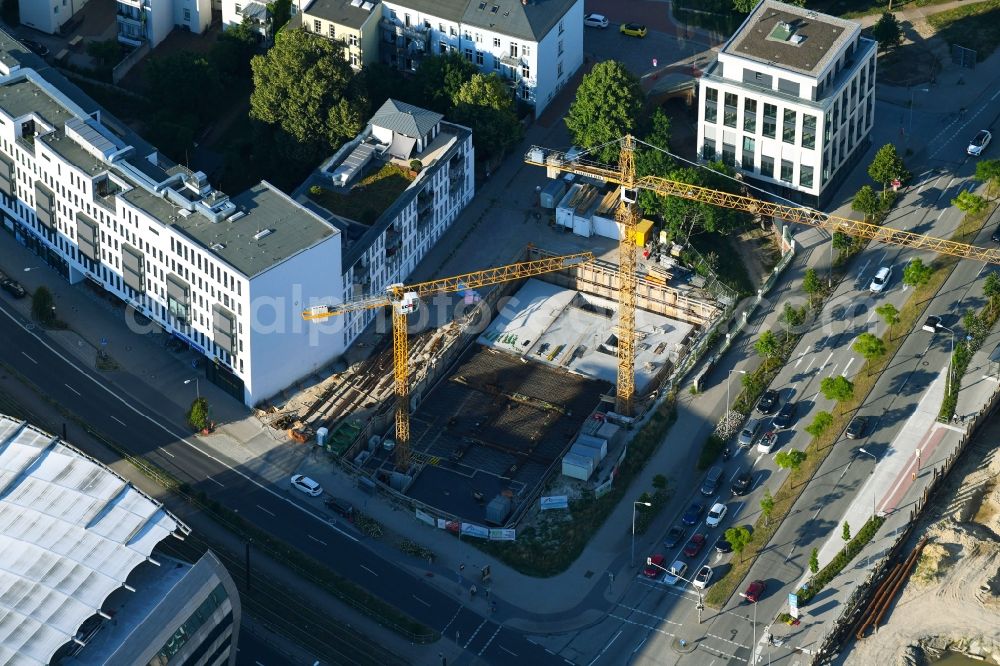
404	299
628	215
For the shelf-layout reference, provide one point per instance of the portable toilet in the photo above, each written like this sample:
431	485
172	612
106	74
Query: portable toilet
321	434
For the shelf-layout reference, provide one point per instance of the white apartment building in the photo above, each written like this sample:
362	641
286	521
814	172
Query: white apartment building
790	101
235	12
384	251
150	21
48	15
229	276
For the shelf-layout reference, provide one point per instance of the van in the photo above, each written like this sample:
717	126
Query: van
711	483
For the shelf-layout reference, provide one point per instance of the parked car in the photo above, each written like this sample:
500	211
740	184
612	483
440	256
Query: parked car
37	47
742	482
768	402
716	514
341	506
786	416
595	21
694	545
306	485
677	571
880	280
932	324
856	428
722	546
979	143
13	288
674	536
711	482
703	577
633	29
767	442
749	433
654	567
754	591
693	513
996	235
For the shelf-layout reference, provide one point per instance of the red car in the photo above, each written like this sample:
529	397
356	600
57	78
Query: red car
695	545
656	567
755	591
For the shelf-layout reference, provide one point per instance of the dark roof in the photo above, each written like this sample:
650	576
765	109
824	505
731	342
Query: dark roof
342	12
405	119
530	22
790	37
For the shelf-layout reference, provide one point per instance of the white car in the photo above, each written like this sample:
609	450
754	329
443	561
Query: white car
716	514
595	21
306	485
880	280
677	571
767	442
703	577
979	143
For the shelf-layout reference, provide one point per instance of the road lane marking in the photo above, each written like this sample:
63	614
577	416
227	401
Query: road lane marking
639	646
653	615
73	390
826	361
173	456
478	629
499	627
801	356
321	542
211	478
513	654
119	420
30	359
810	365
361	565
739	507
453	617
420	600
265	511
847	367
833	369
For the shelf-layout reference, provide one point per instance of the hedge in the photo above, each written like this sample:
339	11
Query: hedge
841	560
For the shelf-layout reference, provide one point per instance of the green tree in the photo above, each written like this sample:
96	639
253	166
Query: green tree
870	347
484	104
659	482
814	561
107	53
866	202
792	316
976	327
302	85
791	459
439	78
917	273
231	53
653	161
820	423
767	506
887	166
738	538
845	533
197	415
811	284
969	203
837	388
606	107
381	82
684	218
768	346
280	11
841	241
988	171
887	32
889	314
991	289
43	306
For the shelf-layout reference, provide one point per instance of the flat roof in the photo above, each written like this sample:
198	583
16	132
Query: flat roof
790	37
71	533
21	97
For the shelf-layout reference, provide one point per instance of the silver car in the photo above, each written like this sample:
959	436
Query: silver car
749	433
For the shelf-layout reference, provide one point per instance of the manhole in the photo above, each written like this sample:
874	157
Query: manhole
926	363
588	574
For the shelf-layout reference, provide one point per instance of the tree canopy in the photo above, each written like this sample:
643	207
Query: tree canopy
837	388
231	53
917	273
606	107
869	346
484	103
439	78
887	32
653	162
791	459
970	203
767	345
820	423
887	166
865	201
303	85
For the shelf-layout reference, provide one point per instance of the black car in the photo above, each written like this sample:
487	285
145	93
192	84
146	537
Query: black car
37	47
741	484
674	536
996	235
13	288
856	428
693	514
786	416
768	402
722	546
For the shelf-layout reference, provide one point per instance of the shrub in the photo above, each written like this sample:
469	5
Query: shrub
841	560
416	165
197	415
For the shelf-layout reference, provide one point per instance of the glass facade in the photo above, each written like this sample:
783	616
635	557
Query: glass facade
808	131
750	115
711	105
729	118
748	153
198	618
770	120
788	126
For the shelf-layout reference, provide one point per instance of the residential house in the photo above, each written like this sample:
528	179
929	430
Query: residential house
354	23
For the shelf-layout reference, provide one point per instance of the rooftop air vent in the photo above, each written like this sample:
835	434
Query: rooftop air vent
218	246
356	3
262	233
237	215
368	6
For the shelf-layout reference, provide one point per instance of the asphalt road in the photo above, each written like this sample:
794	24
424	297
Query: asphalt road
294	518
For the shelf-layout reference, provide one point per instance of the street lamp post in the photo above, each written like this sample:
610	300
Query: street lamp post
875	458
197	389
910	130
635	504
701	600
728	378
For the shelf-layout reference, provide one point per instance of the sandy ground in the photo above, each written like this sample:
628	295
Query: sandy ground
952	600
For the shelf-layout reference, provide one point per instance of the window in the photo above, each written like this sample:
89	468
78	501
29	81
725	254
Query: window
496	63
770	120
711	105
808	131
708	149
317	26
187	14
513	50
750	116
559	70
239	8
443	45
786	171
526	72
479	58
479	38
748	153
788	126
468	54
352	40
561	27
496	42
331	31
559	51
355	62
525	50
767	166
805	176
729	154
729	117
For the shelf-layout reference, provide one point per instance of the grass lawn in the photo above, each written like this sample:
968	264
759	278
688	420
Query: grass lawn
975	26
370	197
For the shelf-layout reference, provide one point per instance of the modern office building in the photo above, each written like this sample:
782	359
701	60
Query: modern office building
227	275
354	23
84	579
385	248
789	101
150	21
48	16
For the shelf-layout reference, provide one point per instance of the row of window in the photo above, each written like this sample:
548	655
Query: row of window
515	48
769	126
767	163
